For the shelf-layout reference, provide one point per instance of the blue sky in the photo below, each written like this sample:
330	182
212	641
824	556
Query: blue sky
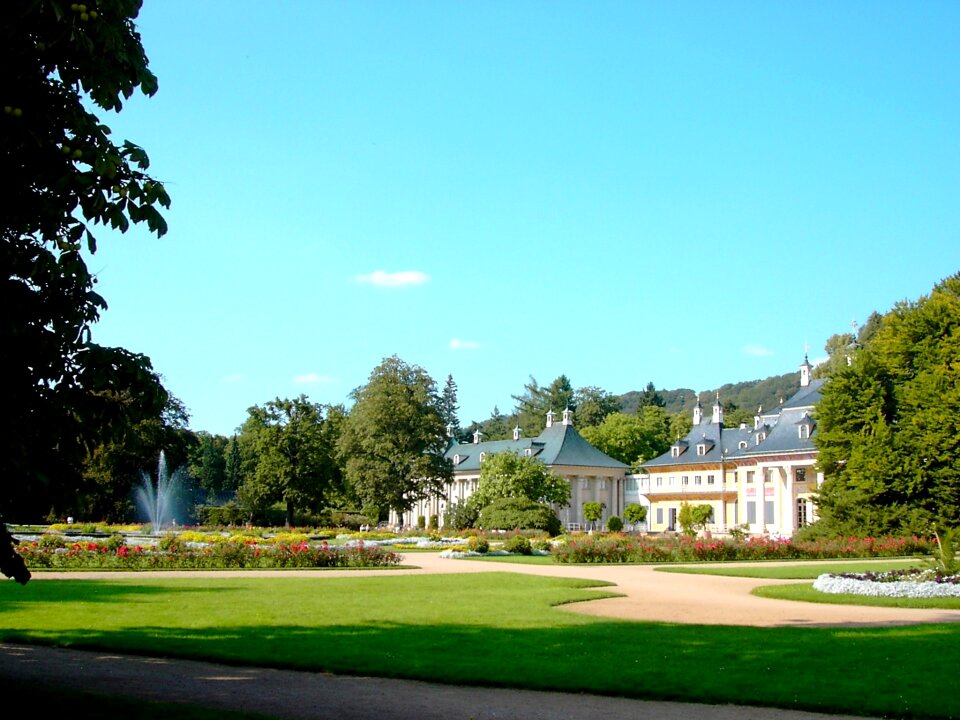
687	193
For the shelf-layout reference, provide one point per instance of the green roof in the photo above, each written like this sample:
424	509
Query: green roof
557	445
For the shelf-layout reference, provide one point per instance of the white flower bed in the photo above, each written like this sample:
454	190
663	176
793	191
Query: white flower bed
901	588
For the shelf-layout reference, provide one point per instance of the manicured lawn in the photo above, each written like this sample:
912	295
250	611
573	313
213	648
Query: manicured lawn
499	629
800	571
516	559
805	593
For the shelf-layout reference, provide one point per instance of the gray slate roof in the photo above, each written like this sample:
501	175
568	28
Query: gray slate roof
781	426
556	445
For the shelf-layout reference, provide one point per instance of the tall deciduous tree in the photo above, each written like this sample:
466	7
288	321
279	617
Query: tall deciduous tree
887	424
510	475
63	174
632	439
393	441
112	469
207	464
593	405
293	461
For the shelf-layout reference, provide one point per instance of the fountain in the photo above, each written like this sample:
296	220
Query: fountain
159	500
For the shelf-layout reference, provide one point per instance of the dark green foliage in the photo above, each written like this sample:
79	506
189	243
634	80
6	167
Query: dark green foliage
519	514
392	443
747	395
887	429
292	455
461	515
63	174
632	439
230	513
614	524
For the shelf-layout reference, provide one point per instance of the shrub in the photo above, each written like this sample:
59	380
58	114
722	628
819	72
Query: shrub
519	513
519	544
51	541
348	519
542	544
230	513
434	522
634	513
614	524
115	542
593	511
421	522
171	542
461	515
477	543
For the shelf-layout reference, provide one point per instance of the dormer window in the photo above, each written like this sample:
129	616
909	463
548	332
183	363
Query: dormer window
483	456
742	445
701	449
456	459
804	431
675	451
761	437
528	452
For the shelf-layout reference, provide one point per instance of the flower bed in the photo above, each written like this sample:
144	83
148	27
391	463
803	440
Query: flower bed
618	548
174	554
896	583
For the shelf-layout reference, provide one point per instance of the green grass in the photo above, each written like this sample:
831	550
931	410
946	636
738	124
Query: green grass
489	629
805	593
516	559
800	571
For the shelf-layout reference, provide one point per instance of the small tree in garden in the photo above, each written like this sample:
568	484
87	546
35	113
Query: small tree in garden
614	524
592	512
634	513
694	518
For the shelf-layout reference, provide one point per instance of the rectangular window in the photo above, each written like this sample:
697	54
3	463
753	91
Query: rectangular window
686	479
768	512
751	512
709	479
801	512
659	481
659	516
631	485
696	480
750	475
603	484
801	475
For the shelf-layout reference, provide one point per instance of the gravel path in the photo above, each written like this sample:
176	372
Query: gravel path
647	595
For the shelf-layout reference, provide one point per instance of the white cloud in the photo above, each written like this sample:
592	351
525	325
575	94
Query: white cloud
234	378
381	278
458	344
757	351
312	379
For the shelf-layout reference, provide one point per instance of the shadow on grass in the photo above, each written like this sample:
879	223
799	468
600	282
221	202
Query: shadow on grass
96	591
877	671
